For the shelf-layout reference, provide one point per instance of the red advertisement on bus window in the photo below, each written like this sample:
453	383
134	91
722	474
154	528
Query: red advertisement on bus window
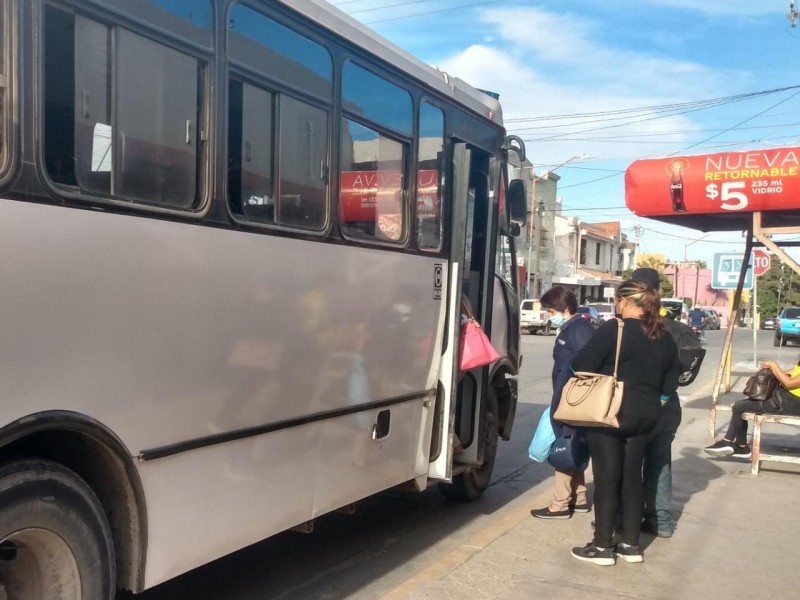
727	182
362	191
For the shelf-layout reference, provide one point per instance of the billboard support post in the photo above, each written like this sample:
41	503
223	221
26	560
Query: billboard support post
726	346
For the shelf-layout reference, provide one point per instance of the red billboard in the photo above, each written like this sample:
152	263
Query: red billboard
715	184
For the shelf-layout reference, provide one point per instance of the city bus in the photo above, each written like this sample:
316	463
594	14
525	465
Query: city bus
234	240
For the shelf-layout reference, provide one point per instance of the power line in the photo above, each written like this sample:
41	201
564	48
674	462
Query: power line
659	107
743	122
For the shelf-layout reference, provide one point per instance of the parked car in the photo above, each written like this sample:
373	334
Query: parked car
533	318
712	318
768	322
676	309
605	310
590	314
787	327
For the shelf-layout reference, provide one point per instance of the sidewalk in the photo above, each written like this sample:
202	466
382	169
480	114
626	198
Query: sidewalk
735	539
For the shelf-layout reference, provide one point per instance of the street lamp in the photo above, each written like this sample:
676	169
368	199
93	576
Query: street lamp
540	212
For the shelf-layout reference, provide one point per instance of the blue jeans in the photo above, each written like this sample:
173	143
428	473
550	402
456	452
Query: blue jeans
658	467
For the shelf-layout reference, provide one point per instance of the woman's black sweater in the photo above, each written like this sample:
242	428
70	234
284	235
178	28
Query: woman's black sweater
648	368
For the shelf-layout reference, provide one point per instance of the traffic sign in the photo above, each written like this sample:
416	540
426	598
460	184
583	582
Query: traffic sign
725	275
761	261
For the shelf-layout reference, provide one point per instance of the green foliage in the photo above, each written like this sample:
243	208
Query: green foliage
777	288
666	285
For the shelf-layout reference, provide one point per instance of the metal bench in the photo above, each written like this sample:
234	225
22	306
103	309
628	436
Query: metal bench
758	421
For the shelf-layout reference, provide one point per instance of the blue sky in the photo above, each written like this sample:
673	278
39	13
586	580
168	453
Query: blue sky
550	59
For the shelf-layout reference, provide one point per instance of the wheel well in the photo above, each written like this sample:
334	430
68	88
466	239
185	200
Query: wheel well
111	479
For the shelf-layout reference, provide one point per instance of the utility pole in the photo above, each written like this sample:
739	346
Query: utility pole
792	14
540	214
528	269
696	281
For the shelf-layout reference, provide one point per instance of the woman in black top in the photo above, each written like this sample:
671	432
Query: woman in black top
649	369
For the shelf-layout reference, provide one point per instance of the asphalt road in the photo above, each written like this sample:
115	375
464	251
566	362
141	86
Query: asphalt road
393	536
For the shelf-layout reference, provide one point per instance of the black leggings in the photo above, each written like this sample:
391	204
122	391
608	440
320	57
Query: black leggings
617	466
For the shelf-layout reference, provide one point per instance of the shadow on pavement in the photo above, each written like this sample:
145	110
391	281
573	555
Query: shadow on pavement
691	474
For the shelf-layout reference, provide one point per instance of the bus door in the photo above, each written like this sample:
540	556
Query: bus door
477	284
471	249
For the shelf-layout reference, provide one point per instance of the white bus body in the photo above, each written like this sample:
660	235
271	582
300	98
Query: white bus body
185	379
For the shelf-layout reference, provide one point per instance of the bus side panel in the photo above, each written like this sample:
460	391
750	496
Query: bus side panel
168	333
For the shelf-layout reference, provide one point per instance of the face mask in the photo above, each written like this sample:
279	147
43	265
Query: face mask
557	320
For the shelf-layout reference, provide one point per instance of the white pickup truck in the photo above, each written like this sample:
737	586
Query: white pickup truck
534	318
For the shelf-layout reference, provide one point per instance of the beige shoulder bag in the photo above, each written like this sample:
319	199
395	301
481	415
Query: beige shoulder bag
592	399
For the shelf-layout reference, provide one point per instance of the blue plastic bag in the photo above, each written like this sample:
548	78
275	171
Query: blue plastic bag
543	439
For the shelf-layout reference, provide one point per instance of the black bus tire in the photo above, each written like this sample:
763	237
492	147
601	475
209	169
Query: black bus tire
55	541
470	484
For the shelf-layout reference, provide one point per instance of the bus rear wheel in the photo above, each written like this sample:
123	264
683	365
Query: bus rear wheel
469	485
55	541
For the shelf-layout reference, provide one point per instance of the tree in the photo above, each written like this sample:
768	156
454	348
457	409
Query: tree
777	288
655	261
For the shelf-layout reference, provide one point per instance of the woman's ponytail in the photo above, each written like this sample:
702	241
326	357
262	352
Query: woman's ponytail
646	298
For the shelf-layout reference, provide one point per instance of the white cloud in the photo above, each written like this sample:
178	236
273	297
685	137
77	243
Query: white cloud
726	8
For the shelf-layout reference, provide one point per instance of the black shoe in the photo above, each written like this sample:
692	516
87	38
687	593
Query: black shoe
648	527
591	553
581	508
628	553
546	513
720	448
741	451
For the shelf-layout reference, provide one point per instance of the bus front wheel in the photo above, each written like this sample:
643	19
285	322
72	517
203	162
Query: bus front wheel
472	482
55	541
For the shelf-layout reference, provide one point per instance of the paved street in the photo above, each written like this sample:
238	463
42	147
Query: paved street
408	545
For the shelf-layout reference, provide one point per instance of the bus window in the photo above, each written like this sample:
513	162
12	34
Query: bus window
301	198
144	148
371	199
279	53
429	178
303	168
187	19
366	95
250	126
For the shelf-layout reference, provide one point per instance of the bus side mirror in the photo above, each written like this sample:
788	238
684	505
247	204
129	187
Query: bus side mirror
517	205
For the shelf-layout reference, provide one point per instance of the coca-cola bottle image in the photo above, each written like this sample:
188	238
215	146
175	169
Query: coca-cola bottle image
676	187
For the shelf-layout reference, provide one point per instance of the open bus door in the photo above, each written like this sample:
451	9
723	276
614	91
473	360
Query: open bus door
465	396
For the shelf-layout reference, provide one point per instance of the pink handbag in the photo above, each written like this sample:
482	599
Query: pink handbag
476	349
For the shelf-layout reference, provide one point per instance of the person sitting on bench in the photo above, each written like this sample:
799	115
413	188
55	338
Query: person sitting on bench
785	400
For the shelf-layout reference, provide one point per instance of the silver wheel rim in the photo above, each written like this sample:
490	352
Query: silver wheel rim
37	564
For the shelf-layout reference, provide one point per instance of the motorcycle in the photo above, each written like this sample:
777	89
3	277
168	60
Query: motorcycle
698	332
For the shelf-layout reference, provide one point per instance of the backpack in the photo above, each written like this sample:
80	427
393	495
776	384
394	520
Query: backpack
690	351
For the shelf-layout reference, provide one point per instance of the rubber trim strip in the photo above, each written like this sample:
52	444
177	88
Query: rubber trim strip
238	434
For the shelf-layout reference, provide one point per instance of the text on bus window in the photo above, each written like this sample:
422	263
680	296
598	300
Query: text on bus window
372	184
